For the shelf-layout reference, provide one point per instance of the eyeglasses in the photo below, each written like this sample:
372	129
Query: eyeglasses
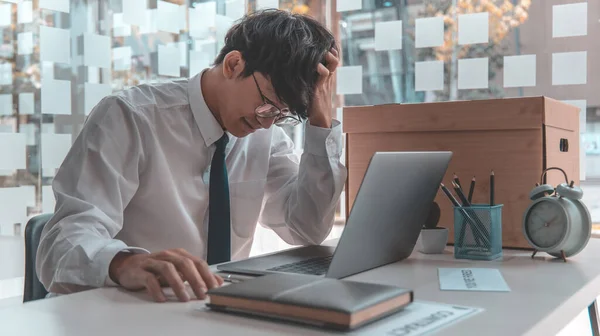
269	110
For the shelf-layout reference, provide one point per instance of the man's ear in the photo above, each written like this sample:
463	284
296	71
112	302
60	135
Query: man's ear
233	64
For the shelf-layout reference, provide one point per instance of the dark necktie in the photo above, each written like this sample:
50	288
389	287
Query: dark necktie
219	224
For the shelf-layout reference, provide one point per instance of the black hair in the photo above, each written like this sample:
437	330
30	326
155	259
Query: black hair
284	47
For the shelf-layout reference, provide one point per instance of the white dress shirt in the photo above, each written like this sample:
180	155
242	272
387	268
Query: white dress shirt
136	178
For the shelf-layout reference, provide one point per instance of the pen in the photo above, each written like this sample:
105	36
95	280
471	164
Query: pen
492	187
471	189
233	278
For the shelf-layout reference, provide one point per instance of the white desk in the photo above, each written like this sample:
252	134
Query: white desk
545	296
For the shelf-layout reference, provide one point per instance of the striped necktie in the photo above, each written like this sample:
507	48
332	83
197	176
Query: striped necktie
219	223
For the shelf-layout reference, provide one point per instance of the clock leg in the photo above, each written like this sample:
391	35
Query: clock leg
534	253
564	257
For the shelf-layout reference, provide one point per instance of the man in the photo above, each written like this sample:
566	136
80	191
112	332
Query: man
165	179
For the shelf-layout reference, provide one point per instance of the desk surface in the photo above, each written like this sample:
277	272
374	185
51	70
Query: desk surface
546	294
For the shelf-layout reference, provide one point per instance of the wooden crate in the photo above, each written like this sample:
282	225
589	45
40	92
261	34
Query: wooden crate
517	138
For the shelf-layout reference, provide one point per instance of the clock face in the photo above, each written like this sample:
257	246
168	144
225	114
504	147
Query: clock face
546	223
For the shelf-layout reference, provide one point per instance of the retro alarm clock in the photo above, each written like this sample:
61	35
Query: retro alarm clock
557	222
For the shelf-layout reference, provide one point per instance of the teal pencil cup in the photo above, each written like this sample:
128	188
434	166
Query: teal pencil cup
478	232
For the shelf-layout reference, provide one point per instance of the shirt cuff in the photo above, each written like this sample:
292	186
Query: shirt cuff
325	142
106	256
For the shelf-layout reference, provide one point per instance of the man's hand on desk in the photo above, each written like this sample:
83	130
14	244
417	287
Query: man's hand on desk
166	268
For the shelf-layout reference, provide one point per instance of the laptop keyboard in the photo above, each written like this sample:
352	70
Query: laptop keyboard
315	266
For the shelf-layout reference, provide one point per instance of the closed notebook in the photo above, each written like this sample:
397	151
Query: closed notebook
339	304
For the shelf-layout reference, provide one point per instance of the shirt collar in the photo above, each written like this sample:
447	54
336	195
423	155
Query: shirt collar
209	127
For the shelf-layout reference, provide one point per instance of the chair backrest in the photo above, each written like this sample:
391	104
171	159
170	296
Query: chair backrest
34	290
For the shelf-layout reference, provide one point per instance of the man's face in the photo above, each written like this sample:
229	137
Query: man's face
244	96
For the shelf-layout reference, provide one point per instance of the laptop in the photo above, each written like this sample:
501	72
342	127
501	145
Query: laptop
389	210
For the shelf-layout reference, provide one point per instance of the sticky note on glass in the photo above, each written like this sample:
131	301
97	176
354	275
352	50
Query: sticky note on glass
569	20
235	9
93	94
473	28
48	200
582	105
429	32
29	131
569	68
519	71
54	149
202	19
264	4
96	50
13	208
349	80
5	74
57	5
151	25
5	14
25	43
169	14
120	28
12	151
50	40
56	96
121	58
429	76
472	279
26	103
348	5
6	104
199	60
223	24
473	73
168	61
25	12
388	35
134	12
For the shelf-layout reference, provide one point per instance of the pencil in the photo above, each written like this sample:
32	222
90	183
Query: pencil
461	195
457	180
479	226
492	187
471	189
450	196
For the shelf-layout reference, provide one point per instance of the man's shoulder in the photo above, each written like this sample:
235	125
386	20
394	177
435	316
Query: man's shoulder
158	95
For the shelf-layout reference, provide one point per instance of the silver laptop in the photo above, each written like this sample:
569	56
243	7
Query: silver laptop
390	208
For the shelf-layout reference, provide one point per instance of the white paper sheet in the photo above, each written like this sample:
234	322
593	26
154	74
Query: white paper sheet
57	5
348	5
13	207
55	45
349	80
473	73
5	14
168	61
264	4
199	60
56	96
96	50
169	15
202	19
569	68
569	20
25	43
473	28
472	279
54	149
26	103
12	151
388	35
429	76
520	71
429	32
48	200
235	9
6	104
121	58
134	12
5	74
120	28
93	93
25	12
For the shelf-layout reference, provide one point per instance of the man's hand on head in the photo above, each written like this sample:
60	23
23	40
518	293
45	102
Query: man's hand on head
166	268
319	113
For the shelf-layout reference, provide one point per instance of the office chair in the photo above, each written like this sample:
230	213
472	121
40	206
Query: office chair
34	290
